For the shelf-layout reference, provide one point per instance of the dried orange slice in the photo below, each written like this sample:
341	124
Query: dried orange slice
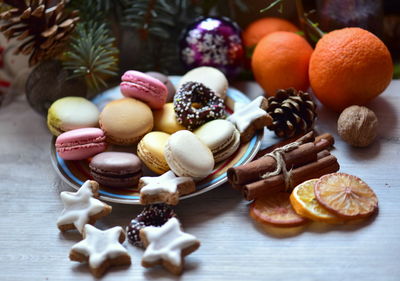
275	209
345	195
306	205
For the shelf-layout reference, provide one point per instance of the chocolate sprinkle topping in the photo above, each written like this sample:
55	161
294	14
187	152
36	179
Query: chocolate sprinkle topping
193	93
152	215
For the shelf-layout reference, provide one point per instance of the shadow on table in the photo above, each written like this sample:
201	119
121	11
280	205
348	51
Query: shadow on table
387	124
159	272
363	153
71	235
352	225
314	227
387	118
279	232
84	269
208	206
191	211
385	110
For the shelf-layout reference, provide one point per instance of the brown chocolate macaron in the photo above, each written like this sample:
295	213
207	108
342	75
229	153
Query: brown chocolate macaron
116	169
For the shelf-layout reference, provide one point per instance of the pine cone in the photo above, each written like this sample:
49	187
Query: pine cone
43	27
293	112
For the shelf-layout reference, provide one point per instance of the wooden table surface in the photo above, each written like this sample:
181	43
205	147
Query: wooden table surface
233	247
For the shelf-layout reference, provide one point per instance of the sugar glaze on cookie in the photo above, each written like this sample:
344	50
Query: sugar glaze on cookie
101	249
167	245
81	207
167	182
244	115
165	188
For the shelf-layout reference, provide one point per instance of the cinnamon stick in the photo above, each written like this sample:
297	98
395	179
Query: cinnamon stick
252	171
325	165
302	155
309	137
326	136
240	187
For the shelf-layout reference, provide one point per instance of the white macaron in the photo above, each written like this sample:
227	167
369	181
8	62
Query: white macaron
221	137
210	77
188	156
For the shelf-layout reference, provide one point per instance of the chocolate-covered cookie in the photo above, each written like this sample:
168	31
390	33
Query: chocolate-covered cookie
152	215
196	104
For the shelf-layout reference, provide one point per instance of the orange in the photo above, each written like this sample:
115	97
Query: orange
349	66
306	205
345	195
275	209
264	26
280	60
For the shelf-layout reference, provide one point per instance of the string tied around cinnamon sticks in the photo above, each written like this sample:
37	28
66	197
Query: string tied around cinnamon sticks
278	155
309	160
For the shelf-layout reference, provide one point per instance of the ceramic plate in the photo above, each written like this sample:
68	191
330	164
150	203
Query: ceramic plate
74	173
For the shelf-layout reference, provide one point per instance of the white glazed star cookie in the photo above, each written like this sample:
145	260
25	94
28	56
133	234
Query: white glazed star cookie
167	245
164	189
101	249
82	207
251	117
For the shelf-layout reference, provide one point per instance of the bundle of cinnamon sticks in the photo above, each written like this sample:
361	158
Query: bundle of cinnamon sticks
310	159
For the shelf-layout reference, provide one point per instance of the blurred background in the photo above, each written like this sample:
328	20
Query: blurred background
100	39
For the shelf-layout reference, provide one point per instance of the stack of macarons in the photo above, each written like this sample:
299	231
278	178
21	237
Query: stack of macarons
146	117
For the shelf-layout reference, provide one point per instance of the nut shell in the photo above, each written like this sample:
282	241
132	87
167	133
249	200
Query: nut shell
358	126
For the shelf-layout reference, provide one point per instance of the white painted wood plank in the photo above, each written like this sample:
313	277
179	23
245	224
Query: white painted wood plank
233	247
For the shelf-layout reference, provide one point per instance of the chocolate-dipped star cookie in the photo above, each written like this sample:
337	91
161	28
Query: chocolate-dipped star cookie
82	207
101	249
164	189
167	245
250	117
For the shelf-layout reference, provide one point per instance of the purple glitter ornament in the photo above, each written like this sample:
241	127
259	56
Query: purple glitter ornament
213	42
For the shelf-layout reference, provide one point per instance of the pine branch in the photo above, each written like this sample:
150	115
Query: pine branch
92	54
158	25
227	8
273	4
97	10
150	17
310	29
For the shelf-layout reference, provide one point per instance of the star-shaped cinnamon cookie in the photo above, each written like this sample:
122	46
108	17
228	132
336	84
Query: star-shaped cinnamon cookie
251	117
101	249
167	245
164	189
82	207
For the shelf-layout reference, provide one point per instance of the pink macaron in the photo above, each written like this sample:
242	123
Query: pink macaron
141	86
80	144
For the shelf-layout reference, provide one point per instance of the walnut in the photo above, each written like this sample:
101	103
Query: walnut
358	125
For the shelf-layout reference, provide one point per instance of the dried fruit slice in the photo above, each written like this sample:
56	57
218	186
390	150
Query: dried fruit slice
275	209
306	205
346	195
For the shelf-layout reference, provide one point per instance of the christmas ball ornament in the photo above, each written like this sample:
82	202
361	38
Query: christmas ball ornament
213	41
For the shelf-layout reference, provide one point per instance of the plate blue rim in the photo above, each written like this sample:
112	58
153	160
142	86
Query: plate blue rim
254	145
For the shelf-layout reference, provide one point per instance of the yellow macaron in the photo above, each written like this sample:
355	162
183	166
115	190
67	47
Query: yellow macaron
151	151
165	120
125	121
